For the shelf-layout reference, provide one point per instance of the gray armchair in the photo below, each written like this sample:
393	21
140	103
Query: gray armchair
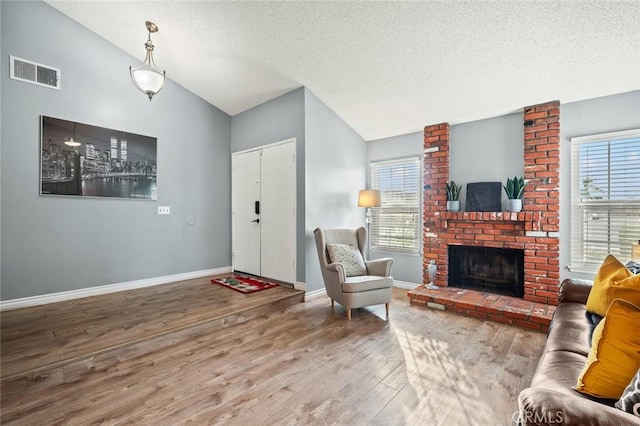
356	291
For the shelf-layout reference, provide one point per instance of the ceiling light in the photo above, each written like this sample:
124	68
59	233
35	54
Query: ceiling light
147	77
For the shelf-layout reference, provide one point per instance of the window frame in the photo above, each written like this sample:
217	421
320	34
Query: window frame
375	245
578	259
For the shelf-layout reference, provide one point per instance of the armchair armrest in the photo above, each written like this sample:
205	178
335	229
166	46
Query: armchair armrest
575	290
339	269
380	267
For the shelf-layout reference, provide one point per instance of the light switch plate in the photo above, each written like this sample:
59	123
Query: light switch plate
164	210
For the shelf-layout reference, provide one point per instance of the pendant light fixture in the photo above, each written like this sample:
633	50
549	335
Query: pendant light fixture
147	77
71	141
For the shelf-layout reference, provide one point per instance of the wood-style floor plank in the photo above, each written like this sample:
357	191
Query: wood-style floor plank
295	364
54	333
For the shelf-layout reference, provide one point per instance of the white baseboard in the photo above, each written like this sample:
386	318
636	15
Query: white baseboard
25	302
404	284
315	293
298	285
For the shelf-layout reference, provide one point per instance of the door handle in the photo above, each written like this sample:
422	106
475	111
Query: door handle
255	221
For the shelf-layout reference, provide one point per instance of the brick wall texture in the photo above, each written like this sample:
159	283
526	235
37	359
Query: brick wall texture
535	229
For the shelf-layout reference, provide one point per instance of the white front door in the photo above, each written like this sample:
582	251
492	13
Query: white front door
264	235
245	212
278	215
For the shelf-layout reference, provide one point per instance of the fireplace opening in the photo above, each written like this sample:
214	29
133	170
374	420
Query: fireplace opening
495	270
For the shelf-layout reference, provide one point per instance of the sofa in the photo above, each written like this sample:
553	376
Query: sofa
551	398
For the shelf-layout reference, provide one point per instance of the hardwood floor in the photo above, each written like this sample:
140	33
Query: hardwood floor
293	364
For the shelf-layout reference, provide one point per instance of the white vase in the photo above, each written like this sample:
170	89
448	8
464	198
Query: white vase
453	206
514	205
432	269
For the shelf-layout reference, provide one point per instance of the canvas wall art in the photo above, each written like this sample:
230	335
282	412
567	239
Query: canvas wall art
82	160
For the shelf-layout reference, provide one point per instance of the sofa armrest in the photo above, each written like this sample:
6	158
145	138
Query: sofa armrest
574	290
542	407
380	267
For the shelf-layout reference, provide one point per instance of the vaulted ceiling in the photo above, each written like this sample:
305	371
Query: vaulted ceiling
386	68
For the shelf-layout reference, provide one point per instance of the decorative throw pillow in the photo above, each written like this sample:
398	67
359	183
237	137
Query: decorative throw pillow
349	256
613	281
630	399
614	356
634	267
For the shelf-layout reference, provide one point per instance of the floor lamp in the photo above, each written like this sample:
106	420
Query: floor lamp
368	198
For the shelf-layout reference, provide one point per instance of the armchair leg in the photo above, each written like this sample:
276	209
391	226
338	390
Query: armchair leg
386	307
332	302
349	314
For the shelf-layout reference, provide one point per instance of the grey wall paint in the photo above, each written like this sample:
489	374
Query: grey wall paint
489	150
52	244
593	116
336	160
406	267
277	120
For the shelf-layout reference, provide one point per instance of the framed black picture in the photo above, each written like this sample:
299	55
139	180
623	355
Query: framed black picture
483	197
82	160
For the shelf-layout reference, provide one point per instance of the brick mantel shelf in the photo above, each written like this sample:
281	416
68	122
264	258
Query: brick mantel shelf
531	220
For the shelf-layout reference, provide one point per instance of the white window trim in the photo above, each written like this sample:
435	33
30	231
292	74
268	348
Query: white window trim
415	251
590	267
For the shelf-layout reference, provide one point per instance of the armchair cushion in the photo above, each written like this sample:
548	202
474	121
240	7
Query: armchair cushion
366	283
349	257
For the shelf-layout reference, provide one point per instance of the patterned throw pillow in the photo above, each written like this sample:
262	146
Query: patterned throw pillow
634	267
349	256
630	399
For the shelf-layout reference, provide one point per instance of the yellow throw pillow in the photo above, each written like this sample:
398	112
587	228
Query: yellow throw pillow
613	281
614	357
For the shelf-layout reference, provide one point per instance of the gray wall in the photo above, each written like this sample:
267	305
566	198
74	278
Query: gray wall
279	119
335	171
489	150
593	116
406	267
52	244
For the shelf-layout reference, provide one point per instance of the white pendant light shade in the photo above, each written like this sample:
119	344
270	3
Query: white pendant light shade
147	77
148	80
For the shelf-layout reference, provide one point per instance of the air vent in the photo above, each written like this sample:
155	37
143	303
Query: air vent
35	73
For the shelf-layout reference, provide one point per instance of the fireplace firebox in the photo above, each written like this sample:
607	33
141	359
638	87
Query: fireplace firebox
495	270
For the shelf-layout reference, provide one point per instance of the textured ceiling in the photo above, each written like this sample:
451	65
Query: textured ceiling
386	68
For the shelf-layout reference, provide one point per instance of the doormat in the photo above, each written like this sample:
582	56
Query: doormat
244	284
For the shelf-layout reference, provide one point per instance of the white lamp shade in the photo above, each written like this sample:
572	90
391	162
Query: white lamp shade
369	198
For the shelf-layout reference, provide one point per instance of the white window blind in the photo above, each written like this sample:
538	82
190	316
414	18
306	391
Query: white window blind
395	224
605	198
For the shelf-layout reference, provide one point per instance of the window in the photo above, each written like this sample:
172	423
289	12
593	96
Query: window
395	225
605	198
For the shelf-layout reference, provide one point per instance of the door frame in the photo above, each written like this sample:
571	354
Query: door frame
295	197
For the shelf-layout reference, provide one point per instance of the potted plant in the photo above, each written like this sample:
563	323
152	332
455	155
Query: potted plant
514	189
453	192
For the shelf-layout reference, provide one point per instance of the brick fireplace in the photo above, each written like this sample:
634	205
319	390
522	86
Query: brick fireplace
534	230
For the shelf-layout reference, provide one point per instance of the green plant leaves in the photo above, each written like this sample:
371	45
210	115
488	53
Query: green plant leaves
453	191
515	187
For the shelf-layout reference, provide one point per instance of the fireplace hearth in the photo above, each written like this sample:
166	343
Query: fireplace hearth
495	270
